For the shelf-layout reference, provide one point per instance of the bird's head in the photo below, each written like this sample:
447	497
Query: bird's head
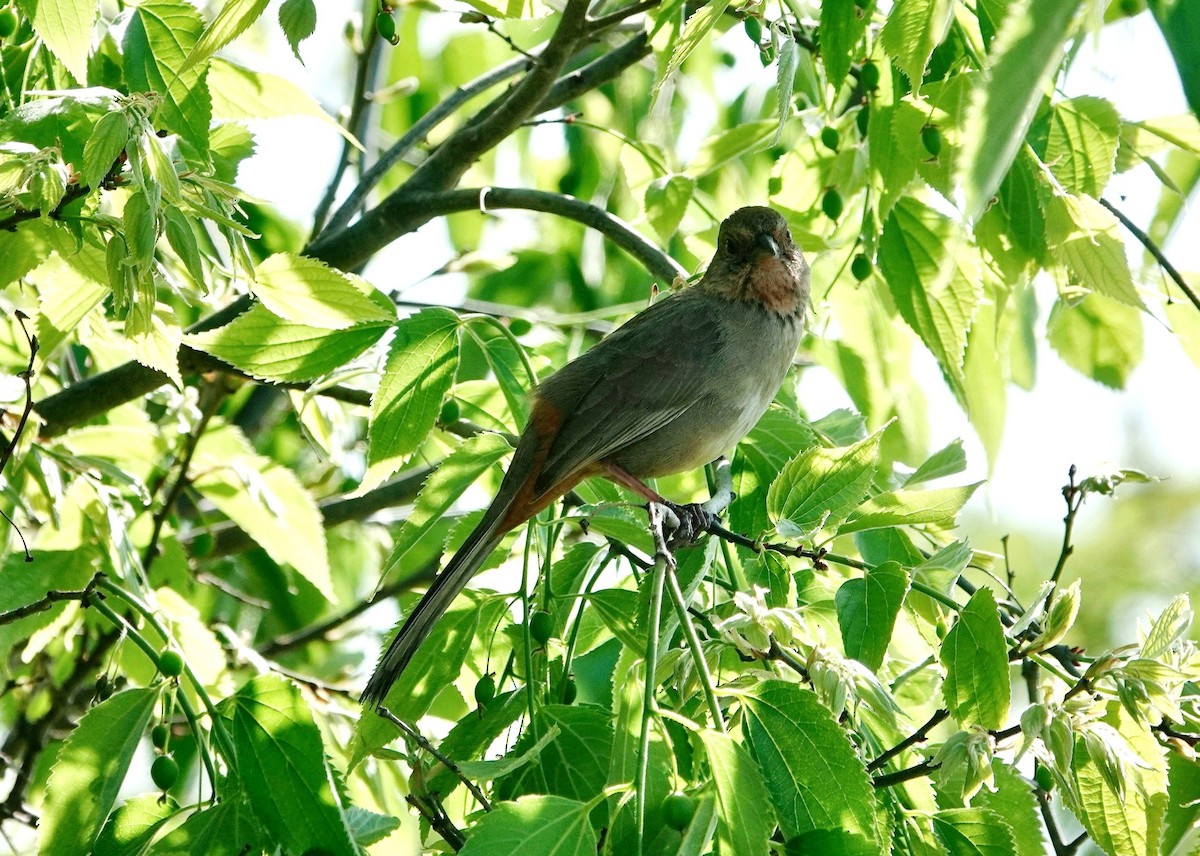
757	261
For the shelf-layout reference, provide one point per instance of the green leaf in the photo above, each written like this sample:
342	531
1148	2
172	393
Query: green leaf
265	346
975	658
574	764
913	29
233	20
474	733
1083	235
89	769
155	339
909	507
534	826
282	767
694	32
1183	809
67	289
1129	824
719	149
66	28
228	829
436	666
974	832
1179	21
306	291
934	280
1014	801
948	461
183	241
241	94
1081	148
264	499
814	777
445	486
819	487
104	146
298	20
1098	337
505	362
131	827
420	368
1024	56
866	611
368	827
158	38
785	79
985	377
745	819
843	24
667	199
758	459
141	230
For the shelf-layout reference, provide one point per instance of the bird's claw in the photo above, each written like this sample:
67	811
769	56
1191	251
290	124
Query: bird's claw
694	520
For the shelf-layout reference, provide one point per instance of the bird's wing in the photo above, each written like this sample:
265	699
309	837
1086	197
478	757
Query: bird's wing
631	384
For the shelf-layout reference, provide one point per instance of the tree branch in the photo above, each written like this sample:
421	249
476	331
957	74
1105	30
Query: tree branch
1153	248
400	214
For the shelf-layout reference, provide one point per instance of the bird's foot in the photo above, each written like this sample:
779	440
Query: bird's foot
694	520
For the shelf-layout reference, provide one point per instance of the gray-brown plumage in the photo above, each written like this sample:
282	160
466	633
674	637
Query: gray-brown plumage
675	387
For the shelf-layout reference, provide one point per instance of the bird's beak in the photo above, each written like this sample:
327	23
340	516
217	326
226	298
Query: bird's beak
766	242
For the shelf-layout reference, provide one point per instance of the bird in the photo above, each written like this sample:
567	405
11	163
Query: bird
670	390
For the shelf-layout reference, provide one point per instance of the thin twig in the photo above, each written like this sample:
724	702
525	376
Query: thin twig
1074	499
364	76
445	761
918	736
604	22
1154	250
210	399
916	771
52	597
75	191
414	135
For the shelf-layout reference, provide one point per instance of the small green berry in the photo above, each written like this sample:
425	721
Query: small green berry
450	412
753	28
541	627
832	205
9	21
869	76
519	326
830	138
1043	777
570	691
678	810
931	139
170	663
164	771
862	120
159	735
385	25
860	267
485	690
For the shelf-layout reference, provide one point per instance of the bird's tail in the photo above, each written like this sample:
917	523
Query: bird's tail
506	511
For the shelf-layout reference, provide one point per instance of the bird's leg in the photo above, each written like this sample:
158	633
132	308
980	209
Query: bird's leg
695	518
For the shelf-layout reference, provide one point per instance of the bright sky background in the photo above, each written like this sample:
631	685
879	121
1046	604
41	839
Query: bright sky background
1066	419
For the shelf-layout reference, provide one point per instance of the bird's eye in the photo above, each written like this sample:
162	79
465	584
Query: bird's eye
730	246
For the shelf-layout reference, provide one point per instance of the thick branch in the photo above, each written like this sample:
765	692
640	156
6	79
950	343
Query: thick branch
401	214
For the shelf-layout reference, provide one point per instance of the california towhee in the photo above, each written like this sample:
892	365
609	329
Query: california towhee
672	389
